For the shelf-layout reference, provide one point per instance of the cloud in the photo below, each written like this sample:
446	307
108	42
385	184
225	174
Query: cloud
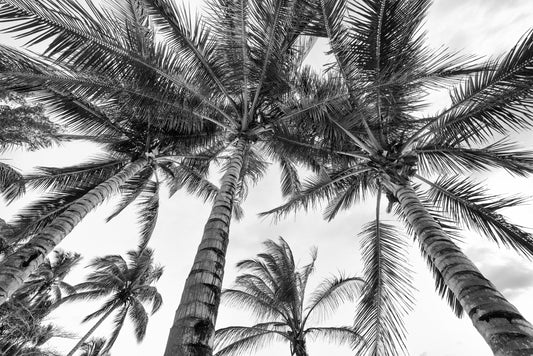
511	274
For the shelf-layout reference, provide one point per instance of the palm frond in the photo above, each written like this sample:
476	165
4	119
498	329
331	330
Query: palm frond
149	294
491	101
139	317
34	217
387	295
190	40
148	212
11	183
470	204
244	340
82	175
259	307
450	160
290	183
131	190
316	189
332	293
192	180
336	335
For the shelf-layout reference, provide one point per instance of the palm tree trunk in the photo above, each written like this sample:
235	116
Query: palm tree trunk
91	330
501	325
298	348
16	267
192	332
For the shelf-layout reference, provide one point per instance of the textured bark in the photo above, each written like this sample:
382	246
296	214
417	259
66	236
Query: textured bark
18	266
91	330
501	325
298	348
193	330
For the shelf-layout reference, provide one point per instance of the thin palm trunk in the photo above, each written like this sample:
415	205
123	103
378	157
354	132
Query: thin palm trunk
18	266
501	325
193	330
91	330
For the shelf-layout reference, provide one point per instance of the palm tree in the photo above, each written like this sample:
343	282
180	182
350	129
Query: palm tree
233	71
422	165
46	285
274	289
23	330
128	284
93	347
138	154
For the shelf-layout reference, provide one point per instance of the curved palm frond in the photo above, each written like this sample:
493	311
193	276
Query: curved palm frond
330	294
245	340
387	295
335	335
470	204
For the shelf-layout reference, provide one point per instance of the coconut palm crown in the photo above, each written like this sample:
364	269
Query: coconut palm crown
143	146
274	290
127	284
422	165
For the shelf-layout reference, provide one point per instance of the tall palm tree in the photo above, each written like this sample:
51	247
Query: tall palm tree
421	165
127	284
138	152
233	71
274	289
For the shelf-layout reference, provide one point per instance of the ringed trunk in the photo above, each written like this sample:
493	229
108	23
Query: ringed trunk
18	266
502	326
192	333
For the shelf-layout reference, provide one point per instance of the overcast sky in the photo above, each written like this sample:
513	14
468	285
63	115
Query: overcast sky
482	27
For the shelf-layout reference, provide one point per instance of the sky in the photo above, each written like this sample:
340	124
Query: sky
480	27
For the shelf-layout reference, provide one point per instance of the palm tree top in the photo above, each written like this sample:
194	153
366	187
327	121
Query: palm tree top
126	284
273	289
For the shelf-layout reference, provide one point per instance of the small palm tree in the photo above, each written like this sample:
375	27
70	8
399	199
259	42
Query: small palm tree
128	285
47	285
274	289
22	327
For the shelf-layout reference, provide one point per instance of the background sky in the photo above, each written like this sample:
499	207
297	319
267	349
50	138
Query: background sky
481	27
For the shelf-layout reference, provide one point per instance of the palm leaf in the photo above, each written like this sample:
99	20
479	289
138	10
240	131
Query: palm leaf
316	189
387	294
335	335
244	340
450	160
11	183
332	293
148	211
131	190
469	203
493	100
91	173
139	317
34	217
